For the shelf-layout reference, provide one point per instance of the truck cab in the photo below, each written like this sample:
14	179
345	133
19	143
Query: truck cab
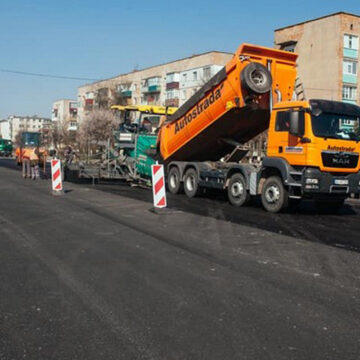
6	147
137	135
314	146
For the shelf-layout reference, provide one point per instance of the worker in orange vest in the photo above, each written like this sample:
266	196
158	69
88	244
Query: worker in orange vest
25	158
44	154
34	163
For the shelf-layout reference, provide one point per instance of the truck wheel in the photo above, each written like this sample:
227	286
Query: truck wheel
256	78
236	190
174	183
191	183
274	196
329	206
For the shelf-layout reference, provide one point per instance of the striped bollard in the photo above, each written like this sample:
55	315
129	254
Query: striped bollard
158	186
56	176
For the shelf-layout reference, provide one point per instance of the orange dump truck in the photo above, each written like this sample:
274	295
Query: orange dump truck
312	149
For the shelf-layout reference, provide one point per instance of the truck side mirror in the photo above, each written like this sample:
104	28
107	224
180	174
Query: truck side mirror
297	123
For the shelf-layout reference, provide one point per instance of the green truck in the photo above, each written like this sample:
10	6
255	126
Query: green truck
6	147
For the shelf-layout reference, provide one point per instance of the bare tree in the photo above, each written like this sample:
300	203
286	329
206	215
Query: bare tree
18	137
102	98
96	128
61	136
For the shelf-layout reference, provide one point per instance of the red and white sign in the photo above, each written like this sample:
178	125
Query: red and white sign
56	175
158	181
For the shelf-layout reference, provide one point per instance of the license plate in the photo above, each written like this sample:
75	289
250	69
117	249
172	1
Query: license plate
341	182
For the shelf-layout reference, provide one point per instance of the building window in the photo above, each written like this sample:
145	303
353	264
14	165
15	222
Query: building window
184	77
350	67
289	48
172	94
207	72
349	92
351	42
172	77
153	81
194	75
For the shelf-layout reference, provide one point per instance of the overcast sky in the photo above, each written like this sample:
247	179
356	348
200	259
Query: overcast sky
100	39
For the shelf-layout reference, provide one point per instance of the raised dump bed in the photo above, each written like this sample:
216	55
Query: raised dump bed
232	108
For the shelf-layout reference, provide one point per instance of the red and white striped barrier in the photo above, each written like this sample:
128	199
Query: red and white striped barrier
158	186
56	175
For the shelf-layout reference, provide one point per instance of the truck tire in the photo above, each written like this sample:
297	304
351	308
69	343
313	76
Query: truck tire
236	190
256	78
191	183
274	195
174	183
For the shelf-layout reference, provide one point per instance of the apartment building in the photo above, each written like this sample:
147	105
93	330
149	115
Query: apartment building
191	80
328	48
169	84
5	129
65	112
27	123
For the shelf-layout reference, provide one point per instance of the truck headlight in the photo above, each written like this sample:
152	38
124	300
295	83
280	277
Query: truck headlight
312	181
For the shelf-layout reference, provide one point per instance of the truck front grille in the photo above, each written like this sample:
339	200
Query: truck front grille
337	159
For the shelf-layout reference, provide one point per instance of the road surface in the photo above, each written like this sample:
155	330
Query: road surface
94	274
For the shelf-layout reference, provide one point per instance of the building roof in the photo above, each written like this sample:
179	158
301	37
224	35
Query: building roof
319	18
28	117
153	66
58	100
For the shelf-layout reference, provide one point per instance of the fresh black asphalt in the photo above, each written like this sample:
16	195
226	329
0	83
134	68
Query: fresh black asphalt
96	275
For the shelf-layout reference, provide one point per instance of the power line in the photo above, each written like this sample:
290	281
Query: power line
47	75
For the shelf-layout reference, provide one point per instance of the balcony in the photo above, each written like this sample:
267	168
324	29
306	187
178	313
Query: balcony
126	93
172	102
172	85
349	78
350	53
151	89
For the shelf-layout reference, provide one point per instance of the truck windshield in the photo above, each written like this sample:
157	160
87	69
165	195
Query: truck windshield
31	139
336	126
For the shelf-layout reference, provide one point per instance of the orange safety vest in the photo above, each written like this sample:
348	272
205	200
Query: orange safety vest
26	153
33	155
